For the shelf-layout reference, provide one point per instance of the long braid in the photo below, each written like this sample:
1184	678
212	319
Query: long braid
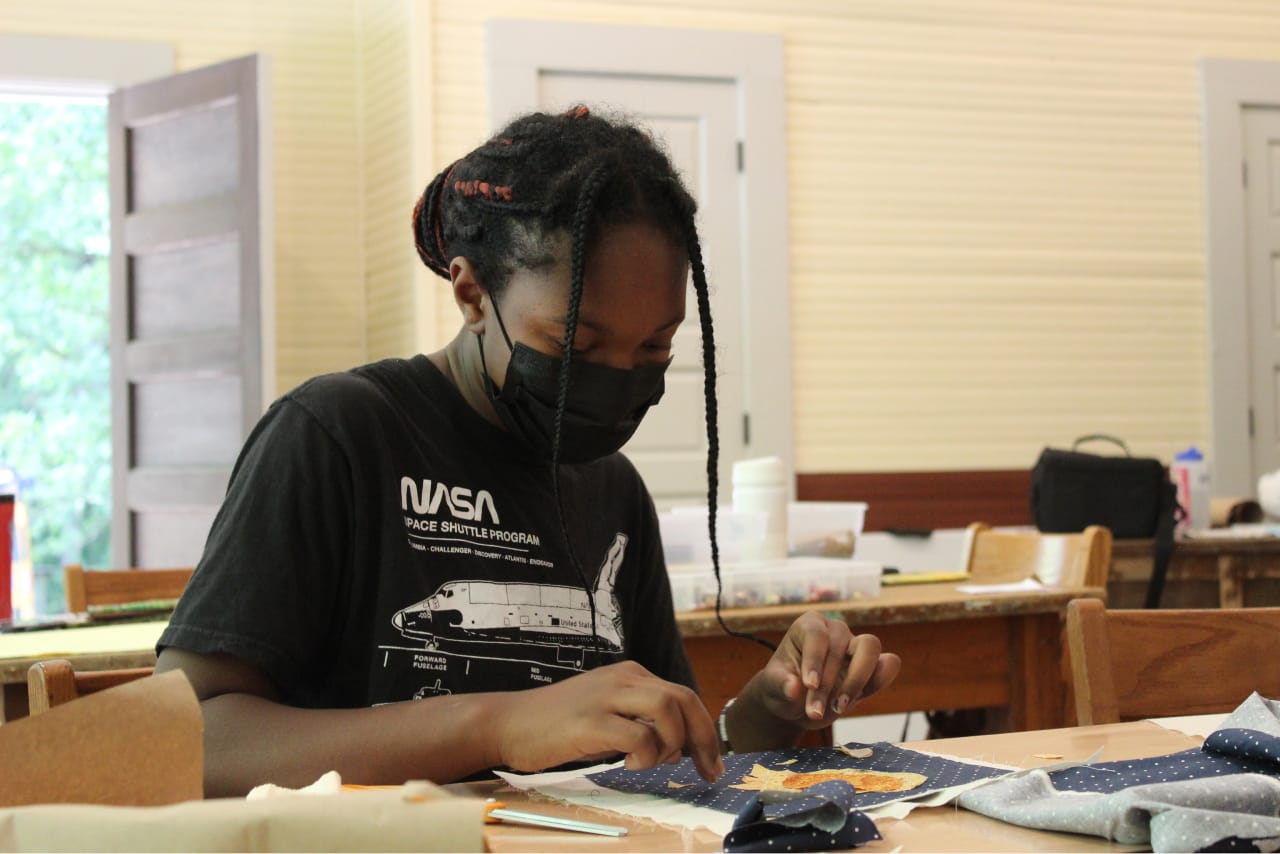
713	432
581	218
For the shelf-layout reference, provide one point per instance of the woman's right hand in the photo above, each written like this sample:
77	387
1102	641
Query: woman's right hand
619	708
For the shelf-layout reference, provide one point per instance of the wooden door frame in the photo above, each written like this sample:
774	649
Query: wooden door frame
1227	87
516	50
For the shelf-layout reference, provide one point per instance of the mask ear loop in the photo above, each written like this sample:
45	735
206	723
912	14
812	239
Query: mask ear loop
505	337
492	383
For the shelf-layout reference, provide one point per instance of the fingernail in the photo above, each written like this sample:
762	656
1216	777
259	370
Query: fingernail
842	702
815	710
811	679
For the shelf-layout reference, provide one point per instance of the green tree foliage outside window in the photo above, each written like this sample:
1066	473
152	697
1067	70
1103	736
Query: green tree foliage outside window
55	399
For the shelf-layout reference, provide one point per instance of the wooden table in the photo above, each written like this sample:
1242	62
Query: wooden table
959	651
944	828
1203	573
106	647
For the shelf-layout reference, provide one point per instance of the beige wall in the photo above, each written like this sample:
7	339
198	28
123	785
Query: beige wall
996	237
387	145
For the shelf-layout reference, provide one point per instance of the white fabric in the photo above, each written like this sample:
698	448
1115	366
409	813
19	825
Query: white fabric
1197	725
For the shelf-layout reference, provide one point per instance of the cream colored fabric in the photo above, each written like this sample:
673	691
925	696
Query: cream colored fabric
349	821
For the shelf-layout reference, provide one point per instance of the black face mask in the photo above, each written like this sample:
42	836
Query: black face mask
604	406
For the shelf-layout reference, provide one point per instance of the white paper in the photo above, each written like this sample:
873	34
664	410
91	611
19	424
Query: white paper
1026	585
573	787
1198	725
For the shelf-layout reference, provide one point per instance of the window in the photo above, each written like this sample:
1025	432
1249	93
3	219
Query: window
54	287
55	403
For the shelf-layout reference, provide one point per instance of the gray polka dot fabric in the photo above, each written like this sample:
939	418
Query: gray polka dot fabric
1194	815
1223	796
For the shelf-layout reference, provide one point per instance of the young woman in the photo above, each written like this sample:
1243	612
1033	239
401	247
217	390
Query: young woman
435	566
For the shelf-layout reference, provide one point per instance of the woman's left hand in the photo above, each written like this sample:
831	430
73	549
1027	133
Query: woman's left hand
820	669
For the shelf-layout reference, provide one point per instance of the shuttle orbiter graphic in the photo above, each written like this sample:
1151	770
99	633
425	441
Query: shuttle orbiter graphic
497	611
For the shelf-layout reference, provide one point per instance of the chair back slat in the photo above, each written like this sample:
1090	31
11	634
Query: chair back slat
86	588
1134	664
1056	560
54	682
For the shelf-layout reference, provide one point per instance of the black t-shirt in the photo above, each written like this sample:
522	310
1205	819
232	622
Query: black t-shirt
381	541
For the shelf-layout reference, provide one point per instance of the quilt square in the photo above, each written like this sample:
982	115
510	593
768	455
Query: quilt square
681	781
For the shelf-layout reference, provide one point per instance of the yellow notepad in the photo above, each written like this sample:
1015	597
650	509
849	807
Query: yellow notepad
892	578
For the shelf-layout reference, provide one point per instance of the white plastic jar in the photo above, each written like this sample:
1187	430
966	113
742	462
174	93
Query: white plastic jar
760	485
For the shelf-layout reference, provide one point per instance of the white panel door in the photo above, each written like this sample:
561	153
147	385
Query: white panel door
1262	202
696	119
717	98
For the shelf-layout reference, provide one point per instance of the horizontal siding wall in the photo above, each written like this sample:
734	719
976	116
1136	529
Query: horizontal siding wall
996	224
388	188
315	124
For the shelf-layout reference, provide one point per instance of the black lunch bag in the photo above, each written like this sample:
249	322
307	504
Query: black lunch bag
1132	496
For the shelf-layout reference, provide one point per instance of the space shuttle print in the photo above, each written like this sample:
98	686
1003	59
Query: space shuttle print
483	616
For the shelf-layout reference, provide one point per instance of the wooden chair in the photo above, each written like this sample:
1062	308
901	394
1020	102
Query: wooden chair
88	588
1055	560
994	557
54	682
1128	665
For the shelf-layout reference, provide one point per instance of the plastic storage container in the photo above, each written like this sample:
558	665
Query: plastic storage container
795	581
685	539
824	528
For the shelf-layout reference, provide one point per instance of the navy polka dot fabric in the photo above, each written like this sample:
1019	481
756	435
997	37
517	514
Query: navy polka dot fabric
818	820
824	805
1247	744
1226	751
1194	764
940	773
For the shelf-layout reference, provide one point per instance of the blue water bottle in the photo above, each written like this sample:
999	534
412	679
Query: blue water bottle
1191	474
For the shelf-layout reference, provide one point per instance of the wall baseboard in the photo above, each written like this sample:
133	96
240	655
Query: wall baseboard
927	500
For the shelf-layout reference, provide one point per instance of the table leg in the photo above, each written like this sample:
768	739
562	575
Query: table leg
1230	581
1038	694
15	701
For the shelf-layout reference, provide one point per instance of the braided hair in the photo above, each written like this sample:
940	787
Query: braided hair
509	205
